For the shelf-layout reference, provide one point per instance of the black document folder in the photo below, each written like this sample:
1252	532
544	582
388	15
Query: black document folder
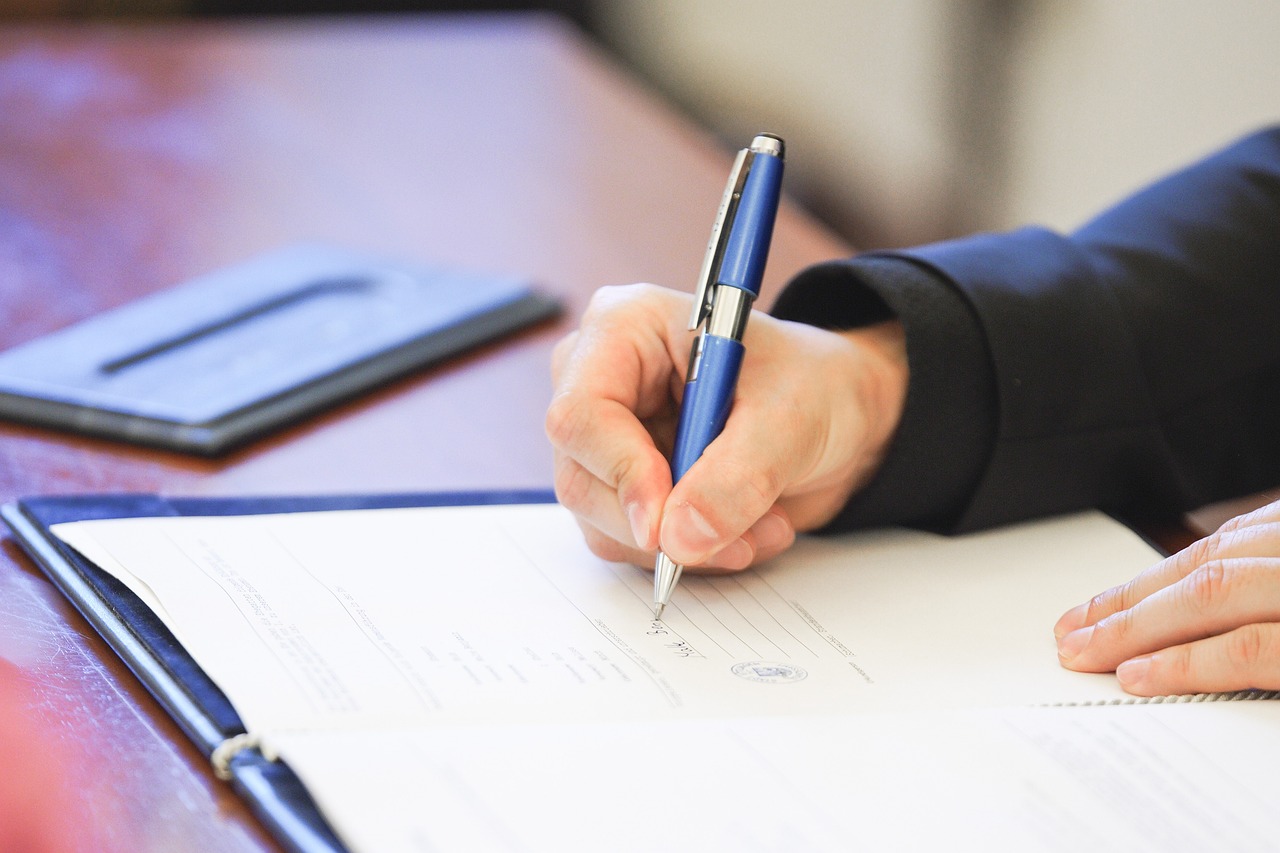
228	356
150	650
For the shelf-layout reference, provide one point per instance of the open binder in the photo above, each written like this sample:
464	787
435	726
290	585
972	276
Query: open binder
902	724
273	791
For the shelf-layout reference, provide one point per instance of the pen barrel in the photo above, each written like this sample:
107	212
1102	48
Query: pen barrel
708	397
747	248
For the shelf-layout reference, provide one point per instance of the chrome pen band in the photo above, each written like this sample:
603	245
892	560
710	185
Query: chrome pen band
730	308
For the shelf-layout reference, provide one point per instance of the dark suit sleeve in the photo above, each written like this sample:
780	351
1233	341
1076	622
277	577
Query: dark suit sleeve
1134	363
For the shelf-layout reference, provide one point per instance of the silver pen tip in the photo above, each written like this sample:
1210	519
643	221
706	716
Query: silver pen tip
666	574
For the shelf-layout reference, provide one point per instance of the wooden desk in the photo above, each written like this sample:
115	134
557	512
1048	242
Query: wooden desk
135	157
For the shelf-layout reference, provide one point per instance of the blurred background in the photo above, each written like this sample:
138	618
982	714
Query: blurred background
913	120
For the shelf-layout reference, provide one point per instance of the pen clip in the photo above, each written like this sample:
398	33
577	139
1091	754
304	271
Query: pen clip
719	237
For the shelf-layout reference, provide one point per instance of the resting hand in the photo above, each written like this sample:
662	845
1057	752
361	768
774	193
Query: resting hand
1205	620
813	414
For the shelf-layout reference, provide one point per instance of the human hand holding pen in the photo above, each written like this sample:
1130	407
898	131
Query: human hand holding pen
813	415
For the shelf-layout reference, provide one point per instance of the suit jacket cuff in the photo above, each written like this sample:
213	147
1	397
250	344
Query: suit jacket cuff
946	434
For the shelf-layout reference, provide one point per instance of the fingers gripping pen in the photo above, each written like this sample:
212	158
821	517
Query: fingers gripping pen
727	287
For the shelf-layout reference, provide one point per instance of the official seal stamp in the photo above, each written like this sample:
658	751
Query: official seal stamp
768	672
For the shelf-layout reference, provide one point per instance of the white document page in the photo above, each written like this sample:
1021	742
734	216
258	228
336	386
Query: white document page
1174	777
467	614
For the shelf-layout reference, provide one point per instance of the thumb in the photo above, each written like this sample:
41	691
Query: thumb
710	514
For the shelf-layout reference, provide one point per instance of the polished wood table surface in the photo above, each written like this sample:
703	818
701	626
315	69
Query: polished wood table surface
134	157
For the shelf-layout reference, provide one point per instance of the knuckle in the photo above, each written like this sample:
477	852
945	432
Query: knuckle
1178	666
566	419
757	486
1110	602
629	474
1236	522
1258	538
1117	626
573	485
1116	599
1204	550
1205	589
620	473
1100	603
1250	645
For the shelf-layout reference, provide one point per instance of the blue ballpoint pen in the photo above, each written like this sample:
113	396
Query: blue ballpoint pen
728	284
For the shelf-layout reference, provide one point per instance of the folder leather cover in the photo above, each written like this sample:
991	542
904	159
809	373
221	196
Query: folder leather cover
150	650
223	358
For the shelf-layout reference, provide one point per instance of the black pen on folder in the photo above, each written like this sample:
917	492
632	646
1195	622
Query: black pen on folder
727	286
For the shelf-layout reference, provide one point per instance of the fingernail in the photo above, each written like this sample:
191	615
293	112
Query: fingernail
1070	621
772	533
1073	643
639	520
1131	673
687	535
